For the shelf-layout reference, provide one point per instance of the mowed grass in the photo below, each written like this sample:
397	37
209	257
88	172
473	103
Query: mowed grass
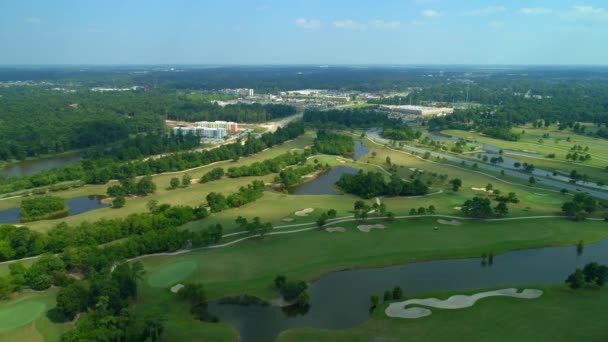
24	318
193	195
250	266
560	314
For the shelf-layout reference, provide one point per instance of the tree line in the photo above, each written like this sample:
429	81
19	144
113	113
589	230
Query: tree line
372	184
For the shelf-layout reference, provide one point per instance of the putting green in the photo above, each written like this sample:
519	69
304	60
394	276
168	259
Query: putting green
170	274
19	314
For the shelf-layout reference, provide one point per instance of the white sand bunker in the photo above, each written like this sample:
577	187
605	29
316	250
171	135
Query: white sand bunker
479	189
367	227
452	223
341	161
176	288
287	219
304	212
335	229
454	302
457	208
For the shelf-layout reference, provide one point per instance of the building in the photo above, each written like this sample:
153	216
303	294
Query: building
239	91
417	110
230	127
337	98
203	132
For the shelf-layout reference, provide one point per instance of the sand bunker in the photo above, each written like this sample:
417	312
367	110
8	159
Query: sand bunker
176	288
457	208
341	161
335	229
367	227
453	222
479	189
287	220
454	302
304	212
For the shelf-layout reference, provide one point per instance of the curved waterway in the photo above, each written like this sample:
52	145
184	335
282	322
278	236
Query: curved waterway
29	167
324	183
340	300
76	205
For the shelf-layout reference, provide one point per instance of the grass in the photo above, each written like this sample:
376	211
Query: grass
250	266
24	318
192	195
560	314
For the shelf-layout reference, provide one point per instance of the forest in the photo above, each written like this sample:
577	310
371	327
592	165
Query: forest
372	184
41	207
100	171
333	143
351	118
38	120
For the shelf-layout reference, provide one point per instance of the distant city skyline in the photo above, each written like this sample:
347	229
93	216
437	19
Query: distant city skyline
340	32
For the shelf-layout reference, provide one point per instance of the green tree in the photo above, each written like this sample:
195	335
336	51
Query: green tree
388	295
174	183
303	299
456	184
186	178
501	209
72	299
118	202
576	279
375	300
397	292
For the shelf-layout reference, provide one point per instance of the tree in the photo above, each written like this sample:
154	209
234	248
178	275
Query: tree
279	281
359	204
390	216
489	187
388	160
590	271
478	207
146	186
388	295
152	205
322	220
303	299
430	210
332	213
456	184
532	180
72	299
174	183
501	209
375	300
186	178
397	292
576	279
118	202
421	211
413	211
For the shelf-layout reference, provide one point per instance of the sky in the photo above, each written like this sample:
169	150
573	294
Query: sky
304	32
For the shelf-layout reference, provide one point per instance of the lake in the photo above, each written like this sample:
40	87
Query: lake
76	205
324	183
29	167
340	300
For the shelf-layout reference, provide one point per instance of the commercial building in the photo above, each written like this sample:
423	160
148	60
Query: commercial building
239	91
230	127
203	132
408	110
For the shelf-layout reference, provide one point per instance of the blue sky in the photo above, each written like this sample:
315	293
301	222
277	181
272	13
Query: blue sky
304	32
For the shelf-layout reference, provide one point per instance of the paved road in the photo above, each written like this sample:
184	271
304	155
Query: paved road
374	135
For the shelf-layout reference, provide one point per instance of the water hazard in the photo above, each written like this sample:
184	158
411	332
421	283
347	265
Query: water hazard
76	205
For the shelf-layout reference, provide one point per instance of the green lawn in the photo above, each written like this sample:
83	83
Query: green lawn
24	318
560	314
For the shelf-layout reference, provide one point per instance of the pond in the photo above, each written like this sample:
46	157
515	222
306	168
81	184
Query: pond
340	300
360	150
76	205
29	167
324	183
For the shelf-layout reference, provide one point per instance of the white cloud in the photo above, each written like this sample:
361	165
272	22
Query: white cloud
308	23
429	13
587	12
349	24
385	25
33	20
485	11
534	11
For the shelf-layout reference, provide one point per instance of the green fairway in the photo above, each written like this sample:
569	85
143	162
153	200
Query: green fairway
560	314
171	274
18	315
24	318
251	265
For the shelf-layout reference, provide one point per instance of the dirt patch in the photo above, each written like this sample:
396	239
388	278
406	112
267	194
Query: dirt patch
367	227
304	212
335	229
175	288
452	223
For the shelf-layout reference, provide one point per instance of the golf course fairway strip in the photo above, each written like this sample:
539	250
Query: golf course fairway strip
170	274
